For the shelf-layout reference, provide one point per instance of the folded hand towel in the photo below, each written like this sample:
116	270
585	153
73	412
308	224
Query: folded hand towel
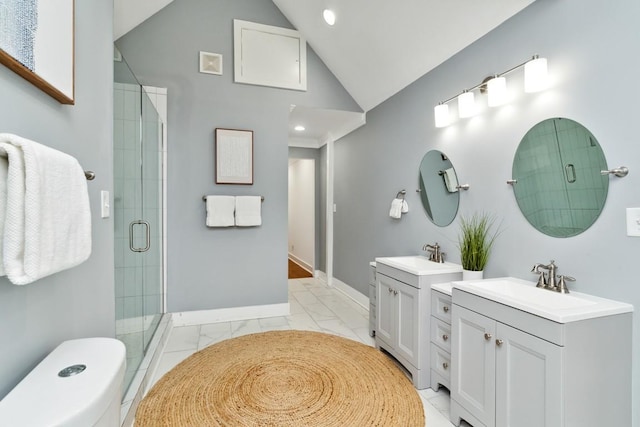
4	170
405	207
450	180
47	225
220	211
396	209
248	211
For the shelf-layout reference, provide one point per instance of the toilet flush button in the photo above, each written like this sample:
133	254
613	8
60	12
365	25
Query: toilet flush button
72	370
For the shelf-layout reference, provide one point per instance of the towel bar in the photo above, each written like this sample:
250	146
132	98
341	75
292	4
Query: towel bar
204	198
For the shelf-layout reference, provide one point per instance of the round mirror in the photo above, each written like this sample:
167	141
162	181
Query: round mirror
438	188
559	187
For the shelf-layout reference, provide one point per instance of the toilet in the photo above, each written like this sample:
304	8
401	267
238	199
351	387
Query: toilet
77	384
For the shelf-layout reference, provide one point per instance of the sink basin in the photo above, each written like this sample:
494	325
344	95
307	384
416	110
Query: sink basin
419	265
551	305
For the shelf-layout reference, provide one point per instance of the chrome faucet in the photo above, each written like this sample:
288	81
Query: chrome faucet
435	254
551	281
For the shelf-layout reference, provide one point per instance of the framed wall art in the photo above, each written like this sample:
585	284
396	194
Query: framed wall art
37	43
234	156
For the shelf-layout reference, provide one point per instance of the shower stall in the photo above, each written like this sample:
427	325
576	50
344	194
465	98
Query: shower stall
138	216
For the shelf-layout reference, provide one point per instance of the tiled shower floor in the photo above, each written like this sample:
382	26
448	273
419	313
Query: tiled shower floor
314	307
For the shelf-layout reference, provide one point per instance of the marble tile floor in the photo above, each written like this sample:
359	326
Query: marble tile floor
313	306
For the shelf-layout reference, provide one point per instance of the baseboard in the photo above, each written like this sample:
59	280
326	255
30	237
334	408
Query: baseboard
349	291
305	265
188	318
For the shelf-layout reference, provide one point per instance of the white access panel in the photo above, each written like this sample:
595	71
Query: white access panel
269	56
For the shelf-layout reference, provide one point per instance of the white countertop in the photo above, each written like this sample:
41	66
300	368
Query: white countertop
419	265
445	288
524	295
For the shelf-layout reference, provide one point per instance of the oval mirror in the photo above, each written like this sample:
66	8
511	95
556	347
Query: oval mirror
438	188
559	187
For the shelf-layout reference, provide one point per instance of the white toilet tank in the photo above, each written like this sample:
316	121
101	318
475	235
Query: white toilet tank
77	384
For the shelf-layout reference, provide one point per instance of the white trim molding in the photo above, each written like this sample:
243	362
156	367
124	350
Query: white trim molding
199	317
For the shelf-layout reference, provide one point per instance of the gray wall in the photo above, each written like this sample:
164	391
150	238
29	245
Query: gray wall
78	302
319	241
220	268
590	46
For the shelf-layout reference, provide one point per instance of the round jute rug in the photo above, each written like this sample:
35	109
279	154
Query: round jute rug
283	378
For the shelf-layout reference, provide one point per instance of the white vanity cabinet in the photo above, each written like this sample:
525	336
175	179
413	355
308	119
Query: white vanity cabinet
372	299
513	368
440	335
403	316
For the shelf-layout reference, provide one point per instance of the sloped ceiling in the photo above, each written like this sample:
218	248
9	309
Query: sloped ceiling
378	47
375	49
128	14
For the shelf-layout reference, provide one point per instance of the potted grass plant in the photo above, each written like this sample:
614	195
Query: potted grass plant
475	242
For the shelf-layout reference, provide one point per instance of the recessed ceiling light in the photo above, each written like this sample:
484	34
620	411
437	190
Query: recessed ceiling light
329	16
299	128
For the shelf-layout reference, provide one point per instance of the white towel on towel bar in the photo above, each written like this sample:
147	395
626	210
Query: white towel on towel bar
47	225
220	211
248	211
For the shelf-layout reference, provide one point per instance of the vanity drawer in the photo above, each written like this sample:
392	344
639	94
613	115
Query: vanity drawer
441	363
441	306
441	334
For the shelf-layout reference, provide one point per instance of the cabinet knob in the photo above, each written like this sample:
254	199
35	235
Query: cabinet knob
445	337
499	342
395	292
445	308
445	365
487	336
390	290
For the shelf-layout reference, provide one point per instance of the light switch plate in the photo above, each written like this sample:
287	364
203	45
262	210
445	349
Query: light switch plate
633	222
104	203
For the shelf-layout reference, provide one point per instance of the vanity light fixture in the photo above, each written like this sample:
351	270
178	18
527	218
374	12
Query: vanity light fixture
497	91
329	16
466	104
535	80
442	115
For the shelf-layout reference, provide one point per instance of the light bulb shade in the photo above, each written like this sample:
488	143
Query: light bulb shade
441	113
535	75
497	91
329	16
466	105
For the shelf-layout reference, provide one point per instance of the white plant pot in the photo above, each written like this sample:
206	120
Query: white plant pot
472	275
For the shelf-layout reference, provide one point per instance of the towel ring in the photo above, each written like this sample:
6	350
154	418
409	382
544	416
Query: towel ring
401	194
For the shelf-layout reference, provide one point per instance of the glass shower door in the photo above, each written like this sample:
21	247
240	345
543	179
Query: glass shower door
138	217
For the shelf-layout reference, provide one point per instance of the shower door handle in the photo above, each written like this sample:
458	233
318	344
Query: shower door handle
147	235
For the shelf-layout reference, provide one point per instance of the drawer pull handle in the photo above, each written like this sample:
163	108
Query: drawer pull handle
445	309
390	290
395	292
487	336
445	337
499	342
445	365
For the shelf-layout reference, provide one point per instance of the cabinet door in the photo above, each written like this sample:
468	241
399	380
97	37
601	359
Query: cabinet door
528	380
473	351
408	322
385	310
